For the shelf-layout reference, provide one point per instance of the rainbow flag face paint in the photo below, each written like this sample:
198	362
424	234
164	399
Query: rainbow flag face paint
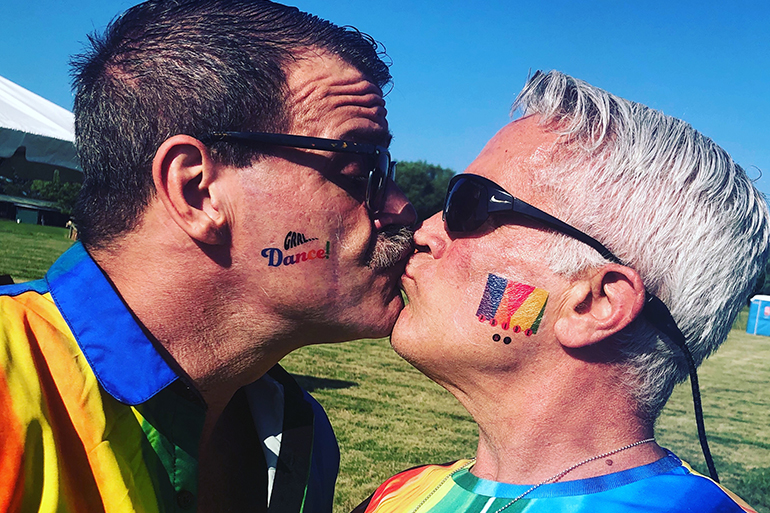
512	306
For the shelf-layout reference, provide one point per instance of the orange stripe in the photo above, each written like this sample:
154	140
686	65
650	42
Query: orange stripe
406	490
11	450
81	492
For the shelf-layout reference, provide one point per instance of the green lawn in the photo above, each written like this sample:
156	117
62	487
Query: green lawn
28	250
389	417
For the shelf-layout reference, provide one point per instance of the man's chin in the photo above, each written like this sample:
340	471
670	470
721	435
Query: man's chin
399	333
375	321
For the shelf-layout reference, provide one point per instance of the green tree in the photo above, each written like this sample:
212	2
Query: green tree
64	194
425	185
14	186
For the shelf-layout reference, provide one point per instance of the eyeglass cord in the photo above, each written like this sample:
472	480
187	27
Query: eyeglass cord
698	410
655	306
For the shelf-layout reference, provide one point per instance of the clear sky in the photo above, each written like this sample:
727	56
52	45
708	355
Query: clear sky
458	64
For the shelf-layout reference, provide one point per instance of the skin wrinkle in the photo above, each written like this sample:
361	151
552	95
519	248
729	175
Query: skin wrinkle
309	97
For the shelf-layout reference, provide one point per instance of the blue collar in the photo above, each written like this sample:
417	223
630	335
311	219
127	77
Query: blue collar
122	357
589	485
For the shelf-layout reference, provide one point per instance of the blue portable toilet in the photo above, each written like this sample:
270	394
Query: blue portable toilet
759	316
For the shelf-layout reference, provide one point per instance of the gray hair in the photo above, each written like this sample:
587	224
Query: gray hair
664	199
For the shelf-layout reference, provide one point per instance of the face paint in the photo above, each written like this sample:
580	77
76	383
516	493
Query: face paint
512	305
276	258
294	239
496	337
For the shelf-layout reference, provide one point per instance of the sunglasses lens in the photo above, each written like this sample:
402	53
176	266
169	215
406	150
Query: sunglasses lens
461	206
382	170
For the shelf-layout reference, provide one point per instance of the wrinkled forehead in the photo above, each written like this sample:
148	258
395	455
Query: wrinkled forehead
328	97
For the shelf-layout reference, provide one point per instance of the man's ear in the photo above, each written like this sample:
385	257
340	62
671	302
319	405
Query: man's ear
599	306
183	173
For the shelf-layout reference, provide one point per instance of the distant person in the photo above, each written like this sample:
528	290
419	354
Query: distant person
556	337
141	374
72	230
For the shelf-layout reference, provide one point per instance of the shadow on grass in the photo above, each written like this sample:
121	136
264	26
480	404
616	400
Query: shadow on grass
311	383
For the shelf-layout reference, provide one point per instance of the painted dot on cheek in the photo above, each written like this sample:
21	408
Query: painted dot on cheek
507	340
482	318
496	337
528	333
516	329
493	322
505	325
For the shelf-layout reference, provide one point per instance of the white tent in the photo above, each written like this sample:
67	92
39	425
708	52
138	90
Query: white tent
34	128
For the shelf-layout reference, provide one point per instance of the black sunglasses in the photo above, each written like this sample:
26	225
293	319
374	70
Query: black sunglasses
471	199
381	167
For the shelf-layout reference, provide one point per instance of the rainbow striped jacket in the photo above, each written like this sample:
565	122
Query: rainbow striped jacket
92	417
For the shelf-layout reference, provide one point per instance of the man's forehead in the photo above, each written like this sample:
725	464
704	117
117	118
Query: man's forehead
331	98
513	154
521	143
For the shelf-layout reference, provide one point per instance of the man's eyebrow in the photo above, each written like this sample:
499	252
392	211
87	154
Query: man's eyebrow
377	137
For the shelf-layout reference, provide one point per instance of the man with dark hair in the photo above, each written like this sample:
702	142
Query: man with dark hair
238	203
593	254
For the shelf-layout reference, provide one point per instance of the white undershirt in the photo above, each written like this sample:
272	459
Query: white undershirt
266	400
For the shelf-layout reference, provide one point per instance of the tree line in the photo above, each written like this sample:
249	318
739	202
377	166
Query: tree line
63	194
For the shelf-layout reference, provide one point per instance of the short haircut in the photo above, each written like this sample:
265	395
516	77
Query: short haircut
168	67
668	202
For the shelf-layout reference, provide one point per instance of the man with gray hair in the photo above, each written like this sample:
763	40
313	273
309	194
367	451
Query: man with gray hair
238	204
592	255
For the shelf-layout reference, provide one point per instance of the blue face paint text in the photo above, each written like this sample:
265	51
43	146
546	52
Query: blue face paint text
275	257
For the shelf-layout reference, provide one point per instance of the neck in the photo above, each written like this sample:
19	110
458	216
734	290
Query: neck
541	426
194	310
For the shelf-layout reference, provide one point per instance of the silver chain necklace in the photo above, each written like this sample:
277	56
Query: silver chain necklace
541	483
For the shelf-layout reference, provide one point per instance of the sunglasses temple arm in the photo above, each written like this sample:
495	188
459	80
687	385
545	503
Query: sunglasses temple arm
535	213
657	314
294	141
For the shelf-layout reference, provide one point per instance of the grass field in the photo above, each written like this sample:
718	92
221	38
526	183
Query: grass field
389	417
28	250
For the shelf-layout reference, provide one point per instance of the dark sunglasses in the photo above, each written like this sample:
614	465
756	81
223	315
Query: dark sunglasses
471	199
381	167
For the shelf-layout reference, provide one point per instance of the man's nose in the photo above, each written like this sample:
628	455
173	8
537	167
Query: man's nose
431	236
397	209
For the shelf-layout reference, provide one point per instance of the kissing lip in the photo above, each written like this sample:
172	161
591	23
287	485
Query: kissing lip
408	270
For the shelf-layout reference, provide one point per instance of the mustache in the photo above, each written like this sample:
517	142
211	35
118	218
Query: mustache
394	243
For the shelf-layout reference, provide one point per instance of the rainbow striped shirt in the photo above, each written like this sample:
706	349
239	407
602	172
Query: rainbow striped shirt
663	486
94	419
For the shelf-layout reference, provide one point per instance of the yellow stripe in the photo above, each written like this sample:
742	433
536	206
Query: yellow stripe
72	428
527	313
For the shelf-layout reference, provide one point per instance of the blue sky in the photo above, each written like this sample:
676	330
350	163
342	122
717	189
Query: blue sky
457	65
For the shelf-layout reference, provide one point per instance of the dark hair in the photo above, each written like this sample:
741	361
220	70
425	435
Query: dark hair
168	67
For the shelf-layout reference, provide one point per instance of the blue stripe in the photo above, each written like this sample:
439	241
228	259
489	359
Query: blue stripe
39	286
122	357
493	294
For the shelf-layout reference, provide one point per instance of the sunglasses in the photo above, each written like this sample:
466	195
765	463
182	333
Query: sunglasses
472	199
381	167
